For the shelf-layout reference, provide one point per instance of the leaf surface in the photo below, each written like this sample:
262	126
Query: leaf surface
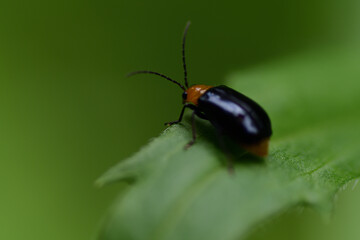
313	101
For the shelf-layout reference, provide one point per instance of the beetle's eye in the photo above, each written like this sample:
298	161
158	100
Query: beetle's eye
184	95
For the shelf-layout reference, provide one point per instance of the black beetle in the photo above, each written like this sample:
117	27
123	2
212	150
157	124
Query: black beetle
230	112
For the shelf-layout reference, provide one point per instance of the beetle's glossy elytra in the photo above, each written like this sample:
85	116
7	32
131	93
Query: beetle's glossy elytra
235	114
230	112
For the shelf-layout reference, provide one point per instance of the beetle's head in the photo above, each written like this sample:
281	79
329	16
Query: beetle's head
184	96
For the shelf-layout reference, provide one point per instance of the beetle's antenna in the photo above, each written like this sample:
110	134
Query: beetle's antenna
183	53
158	74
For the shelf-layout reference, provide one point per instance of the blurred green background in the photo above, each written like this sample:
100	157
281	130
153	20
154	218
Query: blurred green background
68	113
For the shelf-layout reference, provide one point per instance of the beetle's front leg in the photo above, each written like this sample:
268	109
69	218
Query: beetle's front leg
181	114
193	131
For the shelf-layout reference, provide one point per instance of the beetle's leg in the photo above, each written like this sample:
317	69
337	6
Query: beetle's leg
230	164
181	114
193	130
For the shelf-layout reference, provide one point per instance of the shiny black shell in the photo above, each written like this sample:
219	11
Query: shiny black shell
235	115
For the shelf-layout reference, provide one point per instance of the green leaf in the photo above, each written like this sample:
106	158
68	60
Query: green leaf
313	100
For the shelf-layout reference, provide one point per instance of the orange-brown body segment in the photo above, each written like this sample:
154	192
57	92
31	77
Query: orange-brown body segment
260	149
195	92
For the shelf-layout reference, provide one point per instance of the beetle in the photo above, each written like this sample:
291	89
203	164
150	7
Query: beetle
230	112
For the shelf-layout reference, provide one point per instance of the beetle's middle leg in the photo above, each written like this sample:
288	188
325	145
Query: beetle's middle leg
193	130
230	162
201	115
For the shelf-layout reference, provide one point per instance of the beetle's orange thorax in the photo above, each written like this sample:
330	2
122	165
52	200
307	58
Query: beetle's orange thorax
195	92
